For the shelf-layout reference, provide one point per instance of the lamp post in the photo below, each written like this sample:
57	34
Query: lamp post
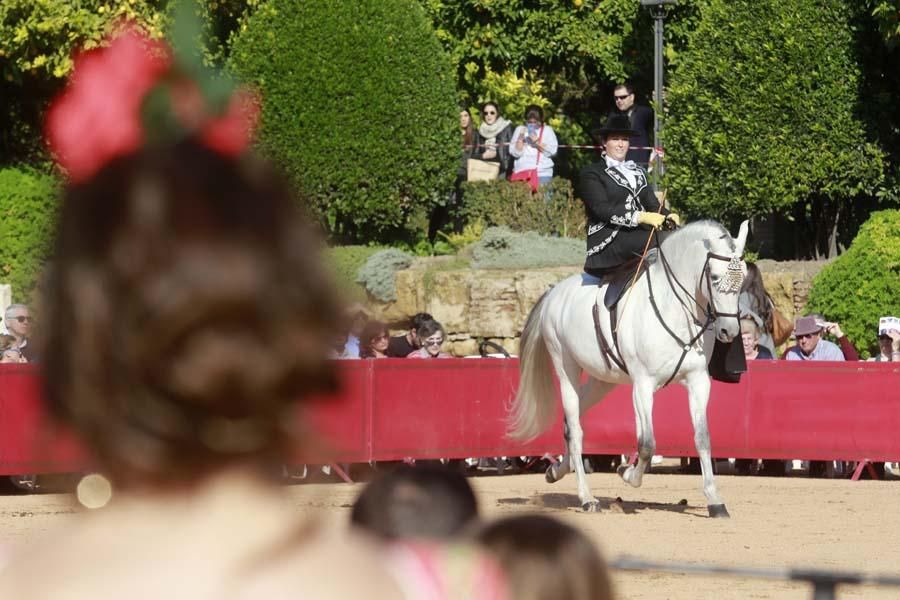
658	11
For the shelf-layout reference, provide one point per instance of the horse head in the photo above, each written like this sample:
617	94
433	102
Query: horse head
724	273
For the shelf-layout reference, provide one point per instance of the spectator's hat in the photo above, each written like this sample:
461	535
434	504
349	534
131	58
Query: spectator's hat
806	326
617	124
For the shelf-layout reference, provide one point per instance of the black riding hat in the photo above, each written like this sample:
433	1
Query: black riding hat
617	124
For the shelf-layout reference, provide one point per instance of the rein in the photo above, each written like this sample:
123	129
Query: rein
709	310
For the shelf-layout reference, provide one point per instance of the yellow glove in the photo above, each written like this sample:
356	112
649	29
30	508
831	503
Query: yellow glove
651	218
674	218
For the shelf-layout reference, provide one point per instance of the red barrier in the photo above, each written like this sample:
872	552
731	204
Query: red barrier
394	409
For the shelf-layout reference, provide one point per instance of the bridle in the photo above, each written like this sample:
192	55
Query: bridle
730	282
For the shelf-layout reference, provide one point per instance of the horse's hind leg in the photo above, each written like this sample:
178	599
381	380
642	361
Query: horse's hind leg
698	385
568	373
589	394
642	396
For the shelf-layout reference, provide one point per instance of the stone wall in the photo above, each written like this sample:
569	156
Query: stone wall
481	304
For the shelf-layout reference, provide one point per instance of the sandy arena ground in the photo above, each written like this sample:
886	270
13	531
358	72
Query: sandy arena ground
776	522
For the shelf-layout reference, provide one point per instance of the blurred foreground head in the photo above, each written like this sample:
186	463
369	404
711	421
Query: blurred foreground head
187	310
546	559
421	502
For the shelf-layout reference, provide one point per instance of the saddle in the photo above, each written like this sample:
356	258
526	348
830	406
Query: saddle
617	282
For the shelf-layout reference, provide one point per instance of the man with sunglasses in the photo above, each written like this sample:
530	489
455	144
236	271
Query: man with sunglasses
18	323
641	120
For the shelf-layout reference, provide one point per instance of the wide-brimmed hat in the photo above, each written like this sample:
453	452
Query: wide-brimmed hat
806	326
617	124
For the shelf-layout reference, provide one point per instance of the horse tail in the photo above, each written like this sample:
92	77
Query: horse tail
533	409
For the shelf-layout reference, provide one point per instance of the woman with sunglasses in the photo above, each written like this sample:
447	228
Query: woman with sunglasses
373	341
493	139
431	336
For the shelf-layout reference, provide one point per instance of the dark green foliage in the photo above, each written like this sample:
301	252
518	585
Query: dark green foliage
513	205
502	248
28	208
863	283
762	113
359	108
377	274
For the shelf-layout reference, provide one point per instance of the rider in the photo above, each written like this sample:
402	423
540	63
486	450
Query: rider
621	207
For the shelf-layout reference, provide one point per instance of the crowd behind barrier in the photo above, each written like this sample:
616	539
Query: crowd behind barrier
396	409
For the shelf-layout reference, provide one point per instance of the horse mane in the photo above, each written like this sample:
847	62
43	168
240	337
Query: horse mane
706	231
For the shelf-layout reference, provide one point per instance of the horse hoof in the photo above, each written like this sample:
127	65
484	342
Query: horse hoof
549	476
591	507
718	511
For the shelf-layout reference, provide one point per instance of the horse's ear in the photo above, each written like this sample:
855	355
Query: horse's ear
741	240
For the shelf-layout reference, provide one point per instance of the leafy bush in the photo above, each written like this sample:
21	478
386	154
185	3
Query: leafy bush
553	210
346	260
862	284
358	108
763	112
377	275
502	248
28	208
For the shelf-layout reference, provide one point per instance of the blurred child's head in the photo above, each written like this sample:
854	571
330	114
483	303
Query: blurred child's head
416	502
546	559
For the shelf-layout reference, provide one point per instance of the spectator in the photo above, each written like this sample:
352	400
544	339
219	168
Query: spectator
18	323
493	139
888	346
402	345
374	340
338	350
753	349
416	502
535	145
441	213
756	302
810	345
640	119
547	559
431	336
177	365
358	316
12	356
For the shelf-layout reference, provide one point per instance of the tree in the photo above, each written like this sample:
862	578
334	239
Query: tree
762	116
358	108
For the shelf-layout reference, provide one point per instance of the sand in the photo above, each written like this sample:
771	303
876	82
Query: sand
776	523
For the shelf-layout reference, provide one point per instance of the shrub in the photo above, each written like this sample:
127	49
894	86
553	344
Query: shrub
377	275
502	248
358	108
763	113
553	210
27	217
863	284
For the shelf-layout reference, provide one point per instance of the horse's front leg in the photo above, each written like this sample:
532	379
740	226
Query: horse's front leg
698	398
642	397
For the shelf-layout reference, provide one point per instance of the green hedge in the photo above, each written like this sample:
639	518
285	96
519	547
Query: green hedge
863	284
28	208
763	111
501	248
552	211
358	108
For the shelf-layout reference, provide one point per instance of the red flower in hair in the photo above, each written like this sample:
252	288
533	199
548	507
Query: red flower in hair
98	116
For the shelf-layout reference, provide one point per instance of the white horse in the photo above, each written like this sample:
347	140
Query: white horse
665	331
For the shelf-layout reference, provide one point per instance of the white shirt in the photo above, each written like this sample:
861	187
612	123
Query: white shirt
527	157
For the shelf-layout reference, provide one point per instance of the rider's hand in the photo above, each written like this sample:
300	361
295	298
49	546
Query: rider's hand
674	219
653	219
